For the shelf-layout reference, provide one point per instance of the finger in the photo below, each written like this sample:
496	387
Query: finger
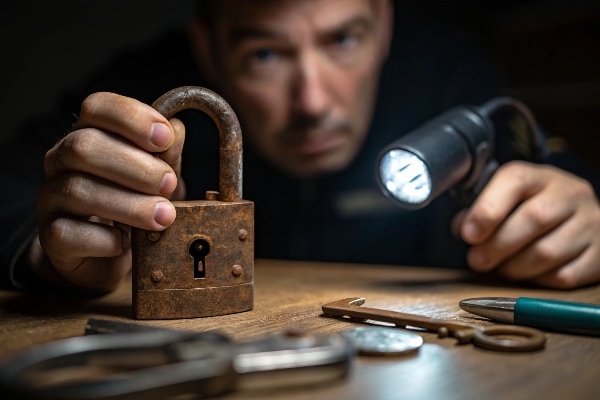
583	270
457	222
127	117
67	241
100	274
91	255
125	228
530	221
172	156
112	158
557	248
85	195
511	184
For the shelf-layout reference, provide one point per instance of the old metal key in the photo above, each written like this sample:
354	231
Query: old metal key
529	339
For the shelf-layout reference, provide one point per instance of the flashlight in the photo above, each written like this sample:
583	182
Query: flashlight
454	151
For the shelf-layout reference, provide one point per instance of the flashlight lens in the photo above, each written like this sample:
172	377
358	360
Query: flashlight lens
405	176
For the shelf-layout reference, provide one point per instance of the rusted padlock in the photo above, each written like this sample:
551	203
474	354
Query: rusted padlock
203	264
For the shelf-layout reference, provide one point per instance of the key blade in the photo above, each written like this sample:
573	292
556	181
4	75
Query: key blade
500	309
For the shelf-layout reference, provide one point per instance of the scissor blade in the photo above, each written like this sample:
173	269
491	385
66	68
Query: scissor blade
288	360
500	309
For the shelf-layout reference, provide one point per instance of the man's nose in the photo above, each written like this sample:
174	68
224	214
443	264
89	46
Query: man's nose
311	94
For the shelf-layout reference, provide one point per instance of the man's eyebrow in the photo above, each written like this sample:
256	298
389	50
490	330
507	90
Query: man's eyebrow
242	33
359	21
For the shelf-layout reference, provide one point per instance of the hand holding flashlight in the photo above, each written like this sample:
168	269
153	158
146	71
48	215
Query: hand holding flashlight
535	223
526	221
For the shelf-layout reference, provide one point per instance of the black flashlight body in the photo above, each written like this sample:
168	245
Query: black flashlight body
455	151
456	147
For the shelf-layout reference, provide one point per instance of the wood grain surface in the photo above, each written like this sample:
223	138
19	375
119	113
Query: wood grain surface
289	295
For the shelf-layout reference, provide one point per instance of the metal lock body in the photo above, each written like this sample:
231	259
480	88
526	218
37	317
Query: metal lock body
203	264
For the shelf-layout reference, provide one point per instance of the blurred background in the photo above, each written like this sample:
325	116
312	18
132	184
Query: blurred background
547	51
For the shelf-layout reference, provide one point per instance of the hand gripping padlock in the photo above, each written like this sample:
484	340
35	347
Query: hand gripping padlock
203	264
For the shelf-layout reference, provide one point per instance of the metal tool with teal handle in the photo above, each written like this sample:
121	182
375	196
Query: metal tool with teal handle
550	315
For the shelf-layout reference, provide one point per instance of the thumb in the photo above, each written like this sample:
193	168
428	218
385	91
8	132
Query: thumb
172	156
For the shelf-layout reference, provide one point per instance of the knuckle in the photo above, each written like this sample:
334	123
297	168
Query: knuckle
75	148
134	210
79	145
92	103
54	157
545	252
76	188
537	213
48	161
65	193
50	158
486	213
517	170
130	112
150	174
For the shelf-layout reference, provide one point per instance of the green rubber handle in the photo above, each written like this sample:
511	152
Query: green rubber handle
558	316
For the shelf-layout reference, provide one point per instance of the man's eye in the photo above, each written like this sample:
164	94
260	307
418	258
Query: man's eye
265	54
345	40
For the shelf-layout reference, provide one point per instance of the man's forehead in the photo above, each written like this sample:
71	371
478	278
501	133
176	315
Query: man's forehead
256	18
237	8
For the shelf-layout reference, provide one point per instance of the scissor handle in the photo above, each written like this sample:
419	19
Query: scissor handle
148	359
529	339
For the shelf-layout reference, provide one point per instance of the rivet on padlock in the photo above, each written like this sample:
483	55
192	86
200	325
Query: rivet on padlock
208	236
237	270
153	236
157	276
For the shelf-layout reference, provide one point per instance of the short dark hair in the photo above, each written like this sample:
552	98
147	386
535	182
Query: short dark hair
207	10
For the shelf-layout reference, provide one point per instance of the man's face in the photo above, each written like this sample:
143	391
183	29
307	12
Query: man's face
302	76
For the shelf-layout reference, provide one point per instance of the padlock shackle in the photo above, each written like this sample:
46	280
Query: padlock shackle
230	133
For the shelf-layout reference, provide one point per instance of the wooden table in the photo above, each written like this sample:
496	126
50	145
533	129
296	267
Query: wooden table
290	295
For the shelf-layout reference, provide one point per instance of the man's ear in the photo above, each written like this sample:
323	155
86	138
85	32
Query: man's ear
200	38
386	23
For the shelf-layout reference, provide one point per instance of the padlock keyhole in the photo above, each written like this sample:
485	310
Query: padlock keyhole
199	248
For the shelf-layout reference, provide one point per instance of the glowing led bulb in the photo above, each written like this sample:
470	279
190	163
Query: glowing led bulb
405	176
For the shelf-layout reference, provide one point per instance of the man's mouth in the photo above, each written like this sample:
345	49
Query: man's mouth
317	141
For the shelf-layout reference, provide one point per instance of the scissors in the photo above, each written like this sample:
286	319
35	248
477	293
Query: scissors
152	363
529	339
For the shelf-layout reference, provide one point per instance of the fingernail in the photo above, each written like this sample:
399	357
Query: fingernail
168	183
160	135
163	213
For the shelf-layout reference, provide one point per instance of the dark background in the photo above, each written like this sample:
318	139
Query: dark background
547	51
